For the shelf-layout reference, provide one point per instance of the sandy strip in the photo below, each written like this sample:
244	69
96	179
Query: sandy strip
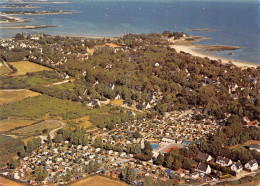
192	51
14	19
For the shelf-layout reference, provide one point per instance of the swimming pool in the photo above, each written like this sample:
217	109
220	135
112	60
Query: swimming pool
155	146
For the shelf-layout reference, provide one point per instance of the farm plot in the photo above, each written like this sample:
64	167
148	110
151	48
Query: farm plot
8	96
25	66
9	124
36	129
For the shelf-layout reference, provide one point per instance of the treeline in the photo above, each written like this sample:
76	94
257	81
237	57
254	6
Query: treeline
76	137
17	54
21	149
9	82
178	158
108	120
176	35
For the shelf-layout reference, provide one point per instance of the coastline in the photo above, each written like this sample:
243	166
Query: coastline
192	49
187	45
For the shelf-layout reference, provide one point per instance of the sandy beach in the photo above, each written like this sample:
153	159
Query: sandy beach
193	49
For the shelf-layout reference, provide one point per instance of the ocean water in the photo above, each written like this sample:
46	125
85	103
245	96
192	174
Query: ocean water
237	21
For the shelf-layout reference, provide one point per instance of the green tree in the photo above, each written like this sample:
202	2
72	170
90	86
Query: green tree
160	159
129	175
148	181
13	164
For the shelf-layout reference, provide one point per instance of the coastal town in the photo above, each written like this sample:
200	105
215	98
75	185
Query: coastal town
195	127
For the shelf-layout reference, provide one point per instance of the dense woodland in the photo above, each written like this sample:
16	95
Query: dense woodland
147	65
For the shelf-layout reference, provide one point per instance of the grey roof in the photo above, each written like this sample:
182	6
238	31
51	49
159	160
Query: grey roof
238	165
222	159
203	156
252	162
202	167
254	146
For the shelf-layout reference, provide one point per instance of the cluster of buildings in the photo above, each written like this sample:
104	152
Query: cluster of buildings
175	130
28	44
204	167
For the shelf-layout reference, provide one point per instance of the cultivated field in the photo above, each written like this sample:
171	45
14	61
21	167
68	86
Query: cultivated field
8	124
36	128
98	181
7	182
25	66
8	96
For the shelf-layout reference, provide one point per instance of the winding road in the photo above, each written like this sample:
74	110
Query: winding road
52	133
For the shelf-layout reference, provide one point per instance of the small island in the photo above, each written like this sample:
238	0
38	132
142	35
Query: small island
10	19
18	6
203	29
30	27
37	12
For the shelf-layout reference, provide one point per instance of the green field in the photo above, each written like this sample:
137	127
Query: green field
36	128
25	66
37	107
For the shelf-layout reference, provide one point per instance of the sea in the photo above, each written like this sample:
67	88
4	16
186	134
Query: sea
234	22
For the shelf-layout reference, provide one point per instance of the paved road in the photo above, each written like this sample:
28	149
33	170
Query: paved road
232	179
52	133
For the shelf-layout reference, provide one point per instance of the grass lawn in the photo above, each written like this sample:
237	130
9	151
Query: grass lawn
8	124
15	95
25	66
7	182
98	181
117	102
36	128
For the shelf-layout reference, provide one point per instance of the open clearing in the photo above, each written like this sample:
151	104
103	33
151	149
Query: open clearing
84	122
98	181
5	181
36	128
8	96
25	66
8	124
